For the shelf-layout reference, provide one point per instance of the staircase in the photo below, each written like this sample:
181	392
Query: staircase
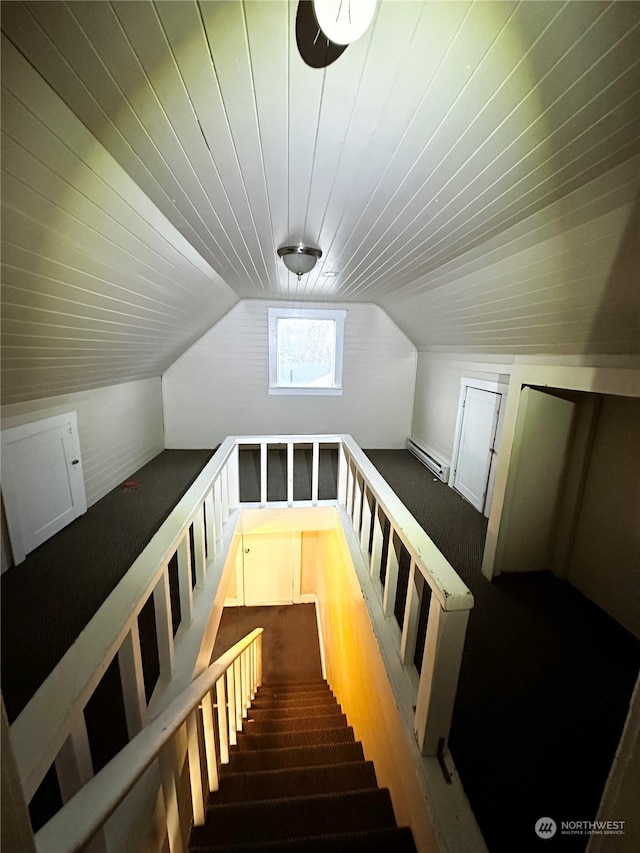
298	780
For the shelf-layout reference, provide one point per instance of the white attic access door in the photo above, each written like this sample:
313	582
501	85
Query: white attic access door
477	434
42	480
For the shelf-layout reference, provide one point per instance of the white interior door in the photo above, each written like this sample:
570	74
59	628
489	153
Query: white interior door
472	469
271	564
42	481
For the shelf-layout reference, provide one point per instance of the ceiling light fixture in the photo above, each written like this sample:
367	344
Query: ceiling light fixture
299	259
344	21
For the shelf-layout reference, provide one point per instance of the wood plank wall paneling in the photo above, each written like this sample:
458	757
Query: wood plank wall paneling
219	387
98	286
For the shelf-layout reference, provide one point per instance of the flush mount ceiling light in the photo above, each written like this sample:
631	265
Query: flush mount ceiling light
299	259
344	21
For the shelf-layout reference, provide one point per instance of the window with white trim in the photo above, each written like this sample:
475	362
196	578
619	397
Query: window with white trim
305	351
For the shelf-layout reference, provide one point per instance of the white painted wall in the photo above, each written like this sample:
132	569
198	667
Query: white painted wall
120	429
605	563
356	672
437	394
219	387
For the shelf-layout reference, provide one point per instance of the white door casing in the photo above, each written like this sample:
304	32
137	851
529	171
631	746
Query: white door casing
42	480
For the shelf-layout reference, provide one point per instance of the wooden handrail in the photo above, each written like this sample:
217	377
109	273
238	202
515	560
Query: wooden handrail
447	586
76	823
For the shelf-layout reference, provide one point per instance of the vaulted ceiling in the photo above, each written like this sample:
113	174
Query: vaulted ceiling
473	167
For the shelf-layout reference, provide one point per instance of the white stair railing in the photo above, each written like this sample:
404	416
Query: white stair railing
228	687
52	730
386	529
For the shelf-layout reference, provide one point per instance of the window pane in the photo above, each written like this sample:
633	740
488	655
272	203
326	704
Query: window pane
306	352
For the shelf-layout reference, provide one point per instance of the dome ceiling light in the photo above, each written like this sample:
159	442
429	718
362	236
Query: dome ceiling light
344	21
299	259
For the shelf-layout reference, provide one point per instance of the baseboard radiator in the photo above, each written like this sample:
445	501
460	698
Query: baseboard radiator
427	458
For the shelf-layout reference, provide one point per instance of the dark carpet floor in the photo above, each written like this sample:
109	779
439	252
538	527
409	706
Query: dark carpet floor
545	683
290	646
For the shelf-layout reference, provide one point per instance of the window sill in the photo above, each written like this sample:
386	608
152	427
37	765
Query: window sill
311	392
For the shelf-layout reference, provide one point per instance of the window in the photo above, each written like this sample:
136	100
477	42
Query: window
305	351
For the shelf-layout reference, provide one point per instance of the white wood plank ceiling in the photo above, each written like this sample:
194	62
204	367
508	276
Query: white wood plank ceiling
155	155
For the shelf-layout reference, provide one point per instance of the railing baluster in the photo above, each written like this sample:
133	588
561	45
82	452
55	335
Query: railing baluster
132	681
263	473
210	742
224	476
365	527
342	475
210	525
315	472
290	473
184	580
164	626
350	487
391	578
246	676
195	759
357	504
238	693
199	548
410	620
233	478
231	706
168	775
254	669
223	723
74	766
443	649
376	545
217	507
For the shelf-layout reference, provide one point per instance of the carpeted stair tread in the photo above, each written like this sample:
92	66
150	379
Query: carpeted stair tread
295	781
294	700
302	697
386	840
291	756
294	817
318	688
295	687
292	724
293	711
309	737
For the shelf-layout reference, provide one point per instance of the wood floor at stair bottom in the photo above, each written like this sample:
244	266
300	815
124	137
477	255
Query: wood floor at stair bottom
298	780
